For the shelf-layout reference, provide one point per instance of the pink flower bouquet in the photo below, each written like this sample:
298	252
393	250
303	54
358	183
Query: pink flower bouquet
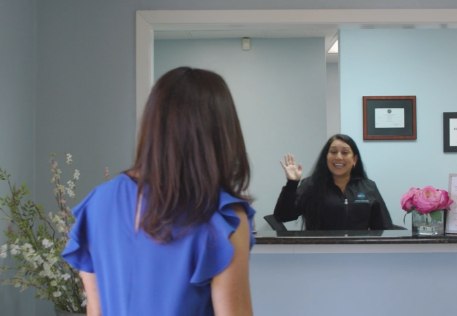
425	200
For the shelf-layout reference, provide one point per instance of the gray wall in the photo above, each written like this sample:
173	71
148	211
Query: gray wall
17	88
85	88
17	110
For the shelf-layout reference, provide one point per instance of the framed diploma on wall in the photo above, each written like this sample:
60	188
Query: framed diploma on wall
451	219
389	117
450	132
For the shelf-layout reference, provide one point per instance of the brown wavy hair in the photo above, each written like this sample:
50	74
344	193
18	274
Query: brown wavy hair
190	146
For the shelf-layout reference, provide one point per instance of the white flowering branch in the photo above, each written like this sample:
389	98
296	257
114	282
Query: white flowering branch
35	241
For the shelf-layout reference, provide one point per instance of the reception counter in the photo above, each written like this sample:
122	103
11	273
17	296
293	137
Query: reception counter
382	273
351	241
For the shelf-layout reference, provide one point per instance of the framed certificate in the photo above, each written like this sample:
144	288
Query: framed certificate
389	117
451	220
450	132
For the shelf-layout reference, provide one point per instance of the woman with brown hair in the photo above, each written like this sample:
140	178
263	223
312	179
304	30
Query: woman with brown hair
337	195
172	234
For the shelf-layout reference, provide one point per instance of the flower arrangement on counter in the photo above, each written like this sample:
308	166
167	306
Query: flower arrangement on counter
35	240
425	200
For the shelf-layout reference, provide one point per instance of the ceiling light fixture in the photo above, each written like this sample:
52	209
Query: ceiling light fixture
246	43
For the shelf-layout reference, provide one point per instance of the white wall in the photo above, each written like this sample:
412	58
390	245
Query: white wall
279	90
401	62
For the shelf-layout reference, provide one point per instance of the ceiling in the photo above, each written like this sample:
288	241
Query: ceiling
328	31
207	24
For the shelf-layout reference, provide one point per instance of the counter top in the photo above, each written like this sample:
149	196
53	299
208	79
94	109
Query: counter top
388	241
350	237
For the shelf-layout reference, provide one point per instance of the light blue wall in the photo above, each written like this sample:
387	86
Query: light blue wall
279	91
401	62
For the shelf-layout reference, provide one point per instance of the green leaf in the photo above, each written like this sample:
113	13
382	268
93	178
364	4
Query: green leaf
437	215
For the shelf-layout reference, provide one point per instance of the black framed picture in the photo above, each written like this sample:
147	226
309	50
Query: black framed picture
450	132
389	117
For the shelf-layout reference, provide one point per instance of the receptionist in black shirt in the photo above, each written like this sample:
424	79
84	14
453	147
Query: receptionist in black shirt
337	196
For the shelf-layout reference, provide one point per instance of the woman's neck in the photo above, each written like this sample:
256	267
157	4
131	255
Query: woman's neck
132	174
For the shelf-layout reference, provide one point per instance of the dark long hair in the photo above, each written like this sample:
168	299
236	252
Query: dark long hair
322	179
190	147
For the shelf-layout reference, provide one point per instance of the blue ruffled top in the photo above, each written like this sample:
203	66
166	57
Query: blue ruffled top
139	276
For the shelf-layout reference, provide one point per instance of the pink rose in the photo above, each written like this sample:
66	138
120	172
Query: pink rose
428	199
407	199
425	200
445	200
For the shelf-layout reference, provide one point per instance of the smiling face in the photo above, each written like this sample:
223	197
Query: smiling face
340	159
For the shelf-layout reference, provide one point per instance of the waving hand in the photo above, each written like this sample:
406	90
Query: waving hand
291	168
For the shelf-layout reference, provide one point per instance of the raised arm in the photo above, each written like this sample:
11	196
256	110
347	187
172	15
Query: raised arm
285	209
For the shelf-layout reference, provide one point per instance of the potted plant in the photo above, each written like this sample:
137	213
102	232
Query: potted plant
35	239
428	207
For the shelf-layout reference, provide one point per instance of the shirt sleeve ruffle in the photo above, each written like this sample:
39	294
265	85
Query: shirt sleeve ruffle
76	252
215	251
